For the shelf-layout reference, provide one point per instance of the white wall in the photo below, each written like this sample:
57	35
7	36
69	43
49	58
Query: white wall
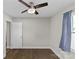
36	32
56	30
5	19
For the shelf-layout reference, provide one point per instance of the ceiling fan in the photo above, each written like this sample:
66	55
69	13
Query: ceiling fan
31	7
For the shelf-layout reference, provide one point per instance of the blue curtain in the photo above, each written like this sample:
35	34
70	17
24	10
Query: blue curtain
65	42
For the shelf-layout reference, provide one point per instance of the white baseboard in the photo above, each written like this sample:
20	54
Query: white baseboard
57	52
63	55
31	48
36	47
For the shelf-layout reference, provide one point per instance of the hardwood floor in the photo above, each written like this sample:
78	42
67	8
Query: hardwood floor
30	54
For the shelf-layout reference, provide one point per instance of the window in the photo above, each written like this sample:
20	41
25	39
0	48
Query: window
73	33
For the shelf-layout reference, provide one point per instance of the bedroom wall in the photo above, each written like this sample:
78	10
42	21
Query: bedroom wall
56	30
36	32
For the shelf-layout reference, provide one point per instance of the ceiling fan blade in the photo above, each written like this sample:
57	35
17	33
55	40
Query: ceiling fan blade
24	3
36	13
24	11
41	5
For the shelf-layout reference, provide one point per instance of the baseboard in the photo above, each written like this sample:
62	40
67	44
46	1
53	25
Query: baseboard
31	48
36	47
57	52
61	54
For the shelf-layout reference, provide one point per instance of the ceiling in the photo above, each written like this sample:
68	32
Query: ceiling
13	7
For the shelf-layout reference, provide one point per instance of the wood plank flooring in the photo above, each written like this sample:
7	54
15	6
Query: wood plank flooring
30	54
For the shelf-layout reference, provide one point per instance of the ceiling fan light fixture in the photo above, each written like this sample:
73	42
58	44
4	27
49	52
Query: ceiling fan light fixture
31	10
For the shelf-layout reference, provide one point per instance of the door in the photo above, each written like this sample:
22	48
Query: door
16	35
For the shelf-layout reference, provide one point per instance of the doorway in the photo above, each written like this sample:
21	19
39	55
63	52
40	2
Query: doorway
8	35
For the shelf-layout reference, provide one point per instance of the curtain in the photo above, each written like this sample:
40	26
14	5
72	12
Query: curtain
65	42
